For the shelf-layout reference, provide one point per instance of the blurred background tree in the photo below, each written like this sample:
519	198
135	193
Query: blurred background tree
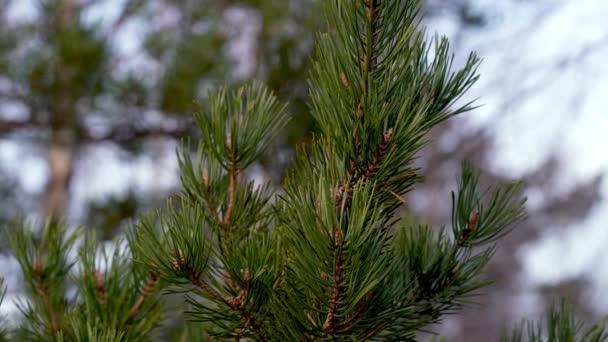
72	84
94	96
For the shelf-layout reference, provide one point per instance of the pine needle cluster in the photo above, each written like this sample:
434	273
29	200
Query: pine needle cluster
329	258
75	291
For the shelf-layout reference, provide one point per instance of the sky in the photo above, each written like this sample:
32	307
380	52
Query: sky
544	80
544	89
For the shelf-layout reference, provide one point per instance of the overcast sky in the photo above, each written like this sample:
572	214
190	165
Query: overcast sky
544	87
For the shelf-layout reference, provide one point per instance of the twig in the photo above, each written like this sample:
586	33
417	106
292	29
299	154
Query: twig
233	174
196	281
231	196
152	280
330	321
372	165
101	292
371	169
44	292
359	310
235	302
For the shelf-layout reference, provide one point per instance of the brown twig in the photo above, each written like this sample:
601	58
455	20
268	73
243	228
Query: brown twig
192	276
371	169
330	321
44	292
372	165
235	302
44	295
152	280
233	174
231	196
101	291
202	286
359	310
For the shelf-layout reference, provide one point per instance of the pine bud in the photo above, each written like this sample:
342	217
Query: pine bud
229	141
344	80
205	177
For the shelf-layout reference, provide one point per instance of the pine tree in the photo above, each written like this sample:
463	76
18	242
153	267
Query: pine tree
329	257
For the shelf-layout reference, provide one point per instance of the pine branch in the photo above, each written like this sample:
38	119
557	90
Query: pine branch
368	61
193	277
233	302
204	287
236	304
560	325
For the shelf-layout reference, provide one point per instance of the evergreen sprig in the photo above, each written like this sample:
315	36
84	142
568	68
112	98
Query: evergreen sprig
475	222
329	259
214	239
118	297
375	94
45	265
115	298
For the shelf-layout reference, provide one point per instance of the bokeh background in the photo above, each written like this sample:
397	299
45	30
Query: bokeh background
96	95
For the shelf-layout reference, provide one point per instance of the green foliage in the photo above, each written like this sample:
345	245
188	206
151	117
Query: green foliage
70	65
67	77
560	325
179	86
489	222
45	269
110	287
214	239
110	215
115	297
327	259
239	125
